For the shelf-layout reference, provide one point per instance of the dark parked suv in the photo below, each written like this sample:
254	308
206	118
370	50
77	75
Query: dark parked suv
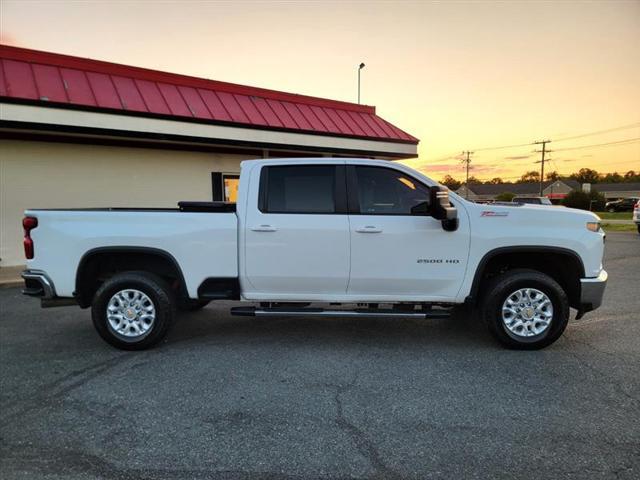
622	205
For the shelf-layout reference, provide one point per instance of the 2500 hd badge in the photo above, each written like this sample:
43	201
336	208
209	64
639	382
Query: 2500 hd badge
438	260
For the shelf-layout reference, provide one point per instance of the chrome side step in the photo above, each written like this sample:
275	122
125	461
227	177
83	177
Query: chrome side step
58	302
321	312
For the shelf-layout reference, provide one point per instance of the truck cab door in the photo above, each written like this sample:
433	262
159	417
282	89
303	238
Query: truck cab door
396	254
296	233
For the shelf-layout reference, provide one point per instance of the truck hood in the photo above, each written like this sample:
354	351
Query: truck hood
495	226
534	213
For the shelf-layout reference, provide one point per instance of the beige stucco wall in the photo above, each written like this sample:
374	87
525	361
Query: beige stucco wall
59	175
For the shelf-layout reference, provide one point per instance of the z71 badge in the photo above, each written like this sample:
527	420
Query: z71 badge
492	213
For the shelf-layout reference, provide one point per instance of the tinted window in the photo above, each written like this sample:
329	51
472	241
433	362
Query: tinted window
383	191
300	189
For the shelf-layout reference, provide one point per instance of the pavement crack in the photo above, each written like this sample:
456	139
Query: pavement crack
44	460
60	388
366	448
598	349
606	376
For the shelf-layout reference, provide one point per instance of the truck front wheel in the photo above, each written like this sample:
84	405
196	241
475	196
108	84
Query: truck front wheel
526	309
133	310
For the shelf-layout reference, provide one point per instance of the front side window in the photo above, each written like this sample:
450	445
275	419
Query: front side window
384	191
299	189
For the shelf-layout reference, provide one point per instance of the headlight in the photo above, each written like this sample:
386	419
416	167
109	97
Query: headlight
593	226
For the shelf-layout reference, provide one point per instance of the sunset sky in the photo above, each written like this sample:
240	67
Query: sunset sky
458	75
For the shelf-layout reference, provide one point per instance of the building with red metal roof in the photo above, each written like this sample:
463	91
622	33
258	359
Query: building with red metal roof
77	132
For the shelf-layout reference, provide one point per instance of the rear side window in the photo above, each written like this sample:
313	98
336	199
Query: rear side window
298	189
384	191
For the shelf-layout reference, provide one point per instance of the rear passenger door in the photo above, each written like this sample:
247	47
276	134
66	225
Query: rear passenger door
297	236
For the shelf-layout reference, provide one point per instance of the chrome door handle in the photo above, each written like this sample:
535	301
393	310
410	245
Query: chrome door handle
264	228
369	229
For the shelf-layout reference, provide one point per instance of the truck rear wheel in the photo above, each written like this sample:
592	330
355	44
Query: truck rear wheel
133	310
526	309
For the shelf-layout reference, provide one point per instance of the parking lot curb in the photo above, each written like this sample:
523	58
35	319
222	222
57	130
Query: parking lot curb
10	276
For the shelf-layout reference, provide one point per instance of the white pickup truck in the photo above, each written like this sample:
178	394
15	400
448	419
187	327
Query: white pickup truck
321	237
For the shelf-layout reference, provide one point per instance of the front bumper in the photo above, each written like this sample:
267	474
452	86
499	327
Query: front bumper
592	291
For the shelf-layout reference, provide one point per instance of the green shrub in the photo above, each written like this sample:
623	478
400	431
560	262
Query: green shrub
505	197
585	201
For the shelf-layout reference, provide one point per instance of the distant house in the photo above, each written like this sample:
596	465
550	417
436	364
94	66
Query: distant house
557	189
618	190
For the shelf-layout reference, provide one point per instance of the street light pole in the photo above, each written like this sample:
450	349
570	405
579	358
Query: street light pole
360	67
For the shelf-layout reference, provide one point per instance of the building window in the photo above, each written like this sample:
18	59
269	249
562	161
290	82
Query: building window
231	183
224	187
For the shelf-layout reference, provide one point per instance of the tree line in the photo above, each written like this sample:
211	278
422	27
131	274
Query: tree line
584	175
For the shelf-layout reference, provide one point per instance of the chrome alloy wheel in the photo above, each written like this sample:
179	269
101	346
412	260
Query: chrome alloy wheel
131	313
527	312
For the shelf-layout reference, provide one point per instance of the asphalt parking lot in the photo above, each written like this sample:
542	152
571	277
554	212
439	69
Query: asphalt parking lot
245	398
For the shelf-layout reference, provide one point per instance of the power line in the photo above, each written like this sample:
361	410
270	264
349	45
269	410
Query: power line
627	141
599	132
455	155
619	142
635	162
451	156
484	149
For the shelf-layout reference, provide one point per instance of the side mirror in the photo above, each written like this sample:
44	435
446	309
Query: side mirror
441	208
420	209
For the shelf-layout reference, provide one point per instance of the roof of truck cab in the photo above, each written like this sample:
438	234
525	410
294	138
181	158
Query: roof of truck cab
323	160
55	80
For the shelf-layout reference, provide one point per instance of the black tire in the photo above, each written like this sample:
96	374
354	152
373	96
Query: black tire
191	305
638	227
503	286
156	290
611	210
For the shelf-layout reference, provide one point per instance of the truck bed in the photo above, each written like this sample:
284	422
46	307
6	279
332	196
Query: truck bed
210	207
202	244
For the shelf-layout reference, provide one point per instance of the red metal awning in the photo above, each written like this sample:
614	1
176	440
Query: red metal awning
51	79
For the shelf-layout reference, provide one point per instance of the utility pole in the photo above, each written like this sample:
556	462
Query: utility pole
544	151
467	162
